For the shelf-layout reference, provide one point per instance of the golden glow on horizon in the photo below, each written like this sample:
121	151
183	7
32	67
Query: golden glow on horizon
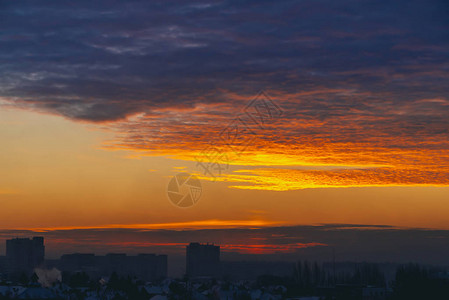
204	224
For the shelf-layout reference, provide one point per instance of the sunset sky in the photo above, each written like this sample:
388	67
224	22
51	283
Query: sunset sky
102	103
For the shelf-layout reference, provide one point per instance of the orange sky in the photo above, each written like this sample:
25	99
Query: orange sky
311	125
58	173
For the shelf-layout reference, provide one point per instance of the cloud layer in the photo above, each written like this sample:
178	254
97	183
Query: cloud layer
362	84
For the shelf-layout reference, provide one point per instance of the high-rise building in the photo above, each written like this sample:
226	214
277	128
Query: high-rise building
202	260
23	254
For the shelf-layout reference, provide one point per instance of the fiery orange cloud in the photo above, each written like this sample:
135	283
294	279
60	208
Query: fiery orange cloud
288	179
357	143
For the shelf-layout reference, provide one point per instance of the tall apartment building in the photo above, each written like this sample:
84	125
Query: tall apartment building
23	254
202	260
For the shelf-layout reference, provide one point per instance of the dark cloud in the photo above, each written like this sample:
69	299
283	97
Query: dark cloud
106	60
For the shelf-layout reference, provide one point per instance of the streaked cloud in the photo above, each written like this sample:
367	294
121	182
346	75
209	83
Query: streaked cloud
268	249
204	224
288	179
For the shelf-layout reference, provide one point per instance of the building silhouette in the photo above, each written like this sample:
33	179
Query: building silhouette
202	260
143	266
23	255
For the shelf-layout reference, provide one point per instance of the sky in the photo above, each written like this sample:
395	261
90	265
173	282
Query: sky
330	115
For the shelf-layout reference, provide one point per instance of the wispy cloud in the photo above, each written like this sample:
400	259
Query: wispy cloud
204	224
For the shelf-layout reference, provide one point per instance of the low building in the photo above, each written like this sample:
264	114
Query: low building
202	260
143	266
